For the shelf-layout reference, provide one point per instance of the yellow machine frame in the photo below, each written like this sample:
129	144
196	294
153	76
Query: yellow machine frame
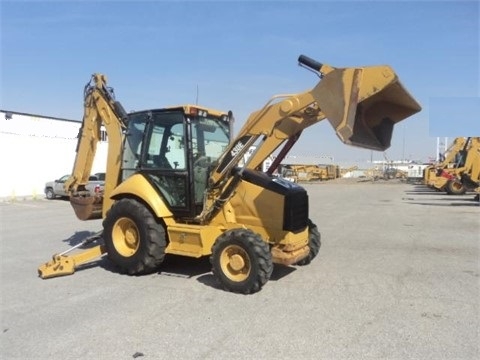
362	105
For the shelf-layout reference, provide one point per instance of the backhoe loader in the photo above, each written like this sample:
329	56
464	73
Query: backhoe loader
173	184
440	177
469	174
449	178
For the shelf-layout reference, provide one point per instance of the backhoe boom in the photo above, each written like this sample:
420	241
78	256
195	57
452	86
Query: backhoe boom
100	108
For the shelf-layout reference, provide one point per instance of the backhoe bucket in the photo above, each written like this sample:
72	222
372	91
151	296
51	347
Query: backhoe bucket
87	207
364	104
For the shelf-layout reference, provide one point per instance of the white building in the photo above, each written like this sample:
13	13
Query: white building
35	149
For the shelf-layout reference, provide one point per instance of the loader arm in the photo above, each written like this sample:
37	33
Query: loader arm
435	172
100	108
361	104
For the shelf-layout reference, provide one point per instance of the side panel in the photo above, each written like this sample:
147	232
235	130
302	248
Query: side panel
278	211
192	240
184	239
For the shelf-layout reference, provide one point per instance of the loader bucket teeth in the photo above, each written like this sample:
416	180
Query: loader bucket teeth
364	104
58	266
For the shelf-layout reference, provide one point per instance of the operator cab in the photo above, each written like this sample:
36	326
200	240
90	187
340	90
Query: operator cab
175	149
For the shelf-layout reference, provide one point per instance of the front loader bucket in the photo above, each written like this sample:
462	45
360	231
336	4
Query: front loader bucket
363	104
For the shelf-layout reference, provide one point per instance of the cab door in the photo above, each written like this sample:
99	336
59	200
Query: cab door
155	147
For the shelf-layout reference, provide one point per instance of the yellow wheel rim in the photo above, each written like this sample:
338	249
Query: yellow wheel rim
125	237
235	263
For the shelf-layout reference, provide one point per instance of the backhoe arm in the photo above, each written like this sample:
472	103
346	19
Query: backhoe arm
100	108
457	145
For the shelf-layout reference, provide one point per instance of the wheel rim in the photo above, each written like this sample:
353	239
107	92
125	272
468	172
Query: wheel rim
235	263
125	237
457	186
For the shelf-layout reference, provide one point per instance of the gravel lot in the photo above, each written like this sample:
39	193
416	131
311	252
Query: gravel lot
397	277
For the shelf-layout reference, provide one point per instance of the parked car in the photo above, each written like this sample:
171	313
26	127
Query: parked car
54	189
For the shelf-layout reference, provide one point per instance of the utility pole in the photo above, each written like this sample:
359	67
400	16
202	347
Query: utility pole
437	155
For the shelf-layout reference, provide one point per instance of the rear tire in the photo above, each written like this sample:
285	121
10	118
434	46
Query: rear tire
135	241
241	261
313	242
454	187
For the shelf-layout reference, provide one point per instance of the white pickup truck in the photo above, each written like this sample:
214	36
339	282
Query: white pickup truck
54	189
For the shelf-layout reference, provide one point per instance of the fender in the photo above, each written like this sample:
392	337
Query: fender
138	186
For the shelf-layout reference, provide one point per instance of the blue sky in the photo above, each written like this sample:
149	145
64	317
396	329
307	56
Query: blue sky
239	54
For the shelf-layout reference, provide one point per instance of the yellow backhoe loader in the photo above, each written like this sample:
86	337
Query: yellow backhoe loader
439	176
469	174
173	184
447	160
448	179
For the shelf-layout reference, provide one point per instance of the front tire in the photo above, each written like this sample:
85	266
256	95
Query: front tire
313	242
241	261
135	241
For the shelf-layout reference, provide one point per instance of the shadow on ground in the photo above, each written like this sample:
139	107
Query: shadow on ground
279	271
173	265
78	237
438	198
473	203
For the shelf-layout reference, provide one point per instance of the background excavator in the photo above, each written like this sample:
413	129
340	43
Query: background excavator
173	184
